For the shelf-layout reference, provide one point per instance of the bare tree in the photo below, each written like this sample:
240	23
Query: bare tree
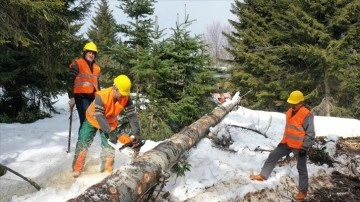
214	37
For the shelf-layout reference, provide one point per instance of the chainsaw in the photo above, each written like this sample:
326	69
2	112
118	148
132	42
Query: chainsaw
125	141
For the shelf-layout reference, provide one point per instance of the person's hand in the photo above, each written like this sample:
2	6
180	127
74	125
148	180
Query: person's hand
137	139
281	144
72	103
302	152
113	137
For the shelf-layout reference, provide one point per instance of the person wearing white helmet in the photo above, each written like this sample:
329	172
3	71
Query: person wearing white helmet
299	136
83	80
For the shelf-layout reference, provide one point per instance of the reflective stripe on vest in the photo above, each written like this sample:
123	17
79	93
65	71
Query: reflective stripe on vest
86	81
111	109
294	132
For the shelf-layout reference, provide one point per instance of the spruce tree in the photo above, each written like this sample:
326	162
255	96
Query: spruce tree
191	81
103	29
103	32
284	45
171	75
178	81
138	32
155	102
35	40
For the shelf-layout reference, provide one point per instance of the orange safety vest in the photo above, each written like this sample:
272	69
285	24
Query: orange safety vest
86	81
112	108
294	132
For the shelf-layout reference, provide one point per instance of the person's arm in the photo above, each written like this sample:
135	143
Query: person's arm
98	78
99	114
98	81
309	128
133	119
72	73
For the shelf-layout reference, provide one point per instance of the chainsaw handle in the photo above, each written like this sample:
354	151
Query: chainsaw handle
138	144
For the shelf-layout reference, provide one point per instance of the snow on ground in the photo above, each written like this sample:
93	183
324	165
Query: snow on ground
38	151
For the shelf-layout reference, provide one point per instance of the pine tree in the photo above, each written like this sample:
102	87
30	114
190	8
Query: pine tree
191	80
171	75
156	73
280	46
178	81
35	39
138	32
103	33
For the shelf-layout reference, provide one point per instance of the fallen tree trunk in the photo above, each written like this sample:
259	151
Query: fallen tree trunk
130	183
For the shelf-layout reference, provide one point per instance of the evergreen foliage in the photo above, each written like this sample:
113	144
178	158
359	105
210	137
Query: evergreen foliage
103	32
171	76
35	37
179	82
138	32
191	80
284	45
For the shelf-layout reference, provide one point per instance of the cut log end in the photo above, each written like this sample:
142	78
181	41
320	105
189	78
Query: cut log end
139	189
112	190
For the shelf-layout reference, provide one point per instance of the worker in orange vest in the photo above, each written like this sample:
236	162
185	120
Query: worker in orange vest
299	136
102	114
83	80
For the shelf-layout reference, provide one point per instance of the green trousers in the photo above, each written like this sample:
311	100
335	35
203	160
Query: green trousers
86	137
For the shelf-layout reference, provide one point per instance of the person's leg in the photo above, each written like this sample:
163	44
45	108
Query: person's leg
280	151
82	103
302	169
85	138
107	154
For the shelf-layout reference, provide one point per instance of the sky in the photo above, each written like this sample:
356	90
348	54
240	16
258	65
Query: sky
38	151
205	12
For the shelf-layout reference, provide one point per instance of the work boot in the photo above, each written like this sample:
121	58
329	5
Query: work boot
78	163
257	177
76	174
300	196
107	166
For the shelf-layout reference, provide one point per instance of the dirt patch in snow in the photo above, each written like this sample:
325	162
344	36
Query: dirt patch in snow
342	185
341	188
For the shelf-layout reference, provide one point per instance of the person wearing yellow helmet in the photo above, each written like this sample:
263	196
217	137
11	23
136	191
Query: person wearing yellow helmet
90	47
102	115
83	80
298	138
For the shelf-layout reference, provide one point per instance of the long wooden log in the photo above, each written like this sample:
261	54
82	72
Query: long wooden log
129	183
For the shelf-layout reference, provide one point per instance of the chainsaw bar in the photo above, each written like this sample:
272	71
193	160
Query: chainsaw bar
119	146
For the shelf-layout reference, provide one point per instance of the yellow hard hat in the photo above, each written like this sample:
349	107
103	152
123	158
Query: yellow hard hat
123	84
295	97
90	47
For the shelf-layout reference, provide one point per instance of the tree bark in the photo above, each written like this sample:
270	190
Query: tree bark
130	183
327	93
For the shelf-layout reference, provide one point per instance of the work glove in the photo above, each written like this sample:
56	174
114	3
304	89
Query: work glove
113	137
302	152
72	103
137	139
280	144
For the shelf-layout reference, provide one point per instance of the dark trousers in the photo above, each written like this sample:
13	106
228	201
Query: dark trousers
280	151
82	103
